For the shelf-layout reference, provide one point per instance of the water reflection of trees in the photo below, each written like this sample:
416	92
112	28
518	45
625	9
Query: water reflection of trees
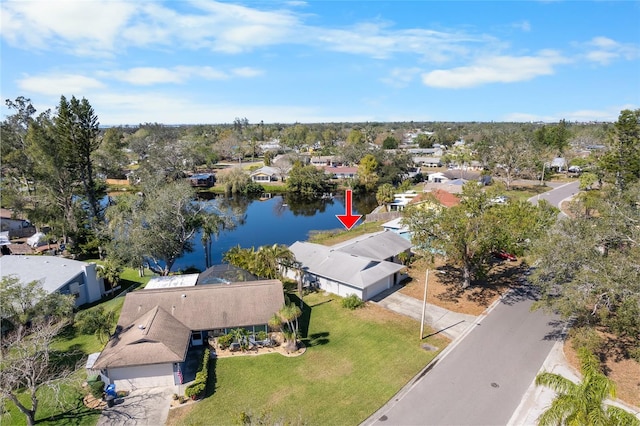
307	206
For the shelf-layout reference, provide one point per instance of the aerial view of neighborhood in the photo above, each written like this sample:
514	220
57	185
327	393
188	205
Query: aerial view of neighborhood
319	213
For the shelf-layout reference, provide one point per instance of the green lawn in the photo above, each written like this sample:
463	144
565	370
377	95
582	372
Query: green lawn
68	410
329	238
354	363
75	347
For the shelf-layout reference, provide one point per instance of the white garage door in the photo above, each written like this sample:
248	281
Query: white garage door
142	376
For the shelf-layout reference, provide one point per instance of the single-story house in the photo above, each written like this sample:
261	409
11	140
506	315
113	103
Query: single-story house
341	172
157	327
427	161
559	164
186	280
265	174
361	266
325	160
202	180
57	274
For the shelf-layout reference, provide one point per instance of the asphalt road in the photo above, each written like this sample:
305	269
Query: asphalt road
482	380
557	195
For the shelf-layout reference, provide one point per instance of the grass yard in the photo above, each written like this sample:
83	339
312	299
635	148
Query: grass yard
72	348
340	235
354	363
67	410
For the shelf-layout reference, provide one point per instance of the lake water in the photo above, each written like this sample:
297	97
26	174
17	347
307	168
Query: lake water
277	220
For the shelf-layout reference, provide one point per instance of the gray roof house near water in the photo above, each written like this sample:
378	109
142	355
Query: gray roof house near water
364	266
156	328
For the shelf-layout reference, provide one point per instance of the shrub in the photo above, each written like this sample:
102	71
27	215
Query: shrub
225	341
195	389
261	335
352	302
97	388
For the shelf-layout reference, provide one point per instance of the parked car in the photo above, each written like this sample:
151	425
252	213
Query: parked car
503	255
500	199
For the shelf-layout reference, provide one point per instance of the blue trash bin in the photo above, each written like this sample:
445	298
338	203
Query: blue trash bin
111	390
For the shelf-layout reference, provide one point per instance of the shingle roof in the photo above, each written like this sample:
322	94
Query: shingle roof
380	246
53	271
210	306
357	271
156	337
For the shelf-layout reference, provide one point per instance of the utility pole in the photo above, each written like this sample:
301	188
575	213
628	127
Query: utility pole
424	304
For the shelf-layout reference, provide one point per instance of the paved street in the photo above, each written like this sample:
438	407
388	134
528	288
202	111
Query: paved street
482	380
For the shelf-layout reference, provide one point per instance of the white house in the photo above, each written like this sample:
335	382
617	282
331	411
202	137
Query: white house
57	274
156	328
265	174
437	177
363	266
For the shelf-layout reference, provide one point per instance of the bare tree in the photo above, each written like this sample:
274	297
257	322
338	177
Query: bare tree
27	365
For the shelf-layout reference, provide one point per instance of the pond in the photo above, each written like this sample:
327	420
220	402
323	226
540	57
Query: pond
276	220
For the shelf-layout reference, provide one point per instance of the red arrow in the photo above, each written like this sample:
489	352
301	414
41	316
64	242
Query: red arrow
348	219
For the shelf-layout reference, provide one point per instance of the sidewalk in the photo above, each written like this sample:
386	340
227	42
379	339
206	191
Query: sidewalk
538	398
451	324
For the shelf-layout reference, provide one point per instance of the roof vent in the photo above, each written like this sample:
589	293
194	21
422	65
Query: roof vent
184	295
141	327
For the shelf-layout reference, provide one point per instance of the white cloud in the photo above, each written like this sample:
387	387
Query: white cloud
495	69
147	76
247	72
585	115
604	50
69	84
522	25
141	107
401	77
80	27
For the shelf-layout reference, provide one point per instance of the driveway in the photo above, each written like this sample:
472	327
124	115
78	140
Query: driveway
141	407
451	324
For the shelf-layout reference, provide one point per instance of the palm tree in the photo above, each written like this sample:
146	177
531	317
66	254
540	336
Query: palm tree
385	195
286	320
583	403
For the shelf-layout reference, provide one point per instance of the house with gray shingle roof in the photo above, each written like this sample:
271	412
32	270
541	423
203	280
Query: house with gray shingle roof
57	275
156	328
364	266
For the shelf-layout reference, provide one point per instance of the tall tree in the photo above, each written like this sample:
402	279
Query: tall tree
155	227
76	128
594	280
583	403
622	161
385	195
368	172
468	233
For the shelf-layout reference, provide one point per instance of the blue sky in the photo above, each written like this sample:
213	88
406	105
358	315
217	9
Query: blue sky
187	62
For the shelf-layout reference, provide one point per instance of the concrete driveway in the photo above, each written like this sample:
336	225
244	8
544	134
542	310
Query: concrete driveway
141	407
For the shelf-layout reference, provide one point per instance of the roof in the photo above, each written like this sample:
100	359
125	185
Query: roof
52	271
266	170
394	224
201	176
210	306
379	246
357	271
155	337
187	280
445	198
340	169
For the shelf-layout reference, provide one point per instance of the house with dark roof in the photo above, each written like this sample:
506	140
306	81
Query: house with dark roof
364	266
156	328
